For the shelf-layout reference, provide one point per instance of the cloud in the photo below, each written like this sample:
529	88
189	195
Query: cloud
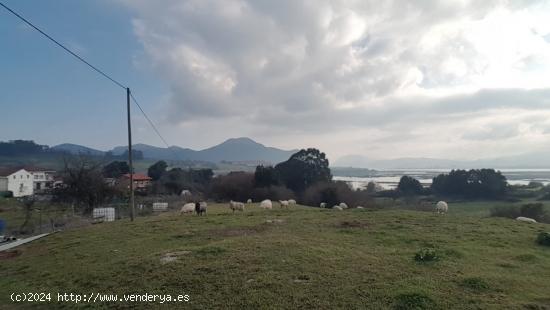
317	69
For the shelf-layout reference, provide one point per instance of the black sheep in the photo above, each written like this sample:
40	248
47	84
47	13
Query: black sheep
198	209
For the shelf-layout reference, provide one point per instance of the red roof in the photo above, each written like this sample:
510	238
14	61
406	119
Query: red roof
137	177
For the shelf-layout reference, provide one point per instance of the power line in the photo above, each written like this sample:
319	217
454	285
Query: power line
149	120
91	66
63	46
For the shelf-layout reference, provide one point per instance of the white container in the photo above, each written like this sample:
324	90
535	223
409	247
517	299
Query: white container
105	214
160	206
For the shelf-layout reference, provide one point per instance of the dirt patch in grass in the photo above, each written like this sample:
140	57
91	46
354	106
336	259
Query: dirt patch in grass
237	231
352	224
9	254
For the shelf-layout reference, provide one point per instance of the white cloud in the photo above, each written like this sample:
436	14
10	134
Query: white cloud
352	76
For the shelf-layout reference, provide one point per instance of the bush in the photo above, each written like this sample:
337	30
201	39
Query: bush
544	238
6	194
426	255
333	193
271	192
533	210
505	211
236	186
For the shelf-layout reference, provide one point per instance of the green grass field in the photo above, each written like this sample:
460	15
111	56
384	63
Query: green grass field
300	258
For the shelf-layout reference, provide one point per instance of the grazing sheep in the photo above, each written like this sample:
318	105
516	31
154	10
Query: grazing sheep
337	208
200	208
187	208
526	219
283	203
323	205
249	200
343	205
359	207
235	205
266	204
291	202
441	207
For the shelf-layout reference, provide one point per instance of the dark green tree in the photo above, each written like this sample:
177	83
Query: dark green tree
304	169
265	176
409	186
157	169
115	169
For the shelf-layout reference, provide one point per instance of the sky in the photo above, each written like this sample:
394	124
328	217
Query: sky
384	79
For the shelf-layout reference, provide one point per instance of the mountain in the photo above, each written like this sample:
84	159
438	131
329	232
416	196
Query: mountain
237	149
77	149
528	160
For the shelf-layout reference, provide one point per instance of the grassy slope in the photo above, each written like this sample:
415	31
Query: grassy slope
313	259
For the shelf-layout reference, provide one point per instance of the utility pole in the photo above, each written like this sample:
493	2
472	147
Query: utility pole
130	156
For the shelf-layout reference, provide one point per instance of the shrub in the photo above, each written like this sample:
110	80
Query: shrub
237	186
271	192
505	211
413	301
533	210
544	238
333	193
426	255
6	194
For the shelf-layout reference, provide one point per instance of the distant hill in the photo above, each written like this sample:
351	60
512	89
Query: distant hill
232	150
528	160
77	149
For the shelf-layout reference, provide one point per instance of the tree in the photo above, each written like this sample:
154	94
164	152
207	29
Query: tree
303	169
156	170
409	186
115	169
265	176
475	183
84	184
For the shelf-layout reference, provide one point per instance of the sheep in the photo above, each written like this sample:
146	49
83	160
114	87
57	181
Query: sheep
266	204
187	208
337	208
235	205
249	200
441	207
360	207
200	208
526	219
343	205
323	205
291	202
283	203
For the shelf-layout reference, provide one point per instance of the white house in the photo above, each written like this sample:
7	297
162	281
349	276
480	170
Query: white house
43	179
16	180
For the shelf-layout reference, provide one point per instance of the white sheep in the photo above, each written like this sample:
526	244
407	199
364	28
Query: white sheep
188	208
266	204
343	205
235	205
249	200
291	202
441	207
526	219
360	207
337	208
323	205
283	203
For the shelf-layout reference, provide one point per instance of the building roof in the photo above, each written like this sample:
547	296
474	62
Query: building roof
37	169
137	177
5	171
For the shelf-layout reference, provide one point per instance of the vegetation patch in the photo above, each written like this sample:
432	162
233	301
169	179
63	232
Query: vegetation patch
475	284
238	231
414	301
544	238
210	251
426	255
